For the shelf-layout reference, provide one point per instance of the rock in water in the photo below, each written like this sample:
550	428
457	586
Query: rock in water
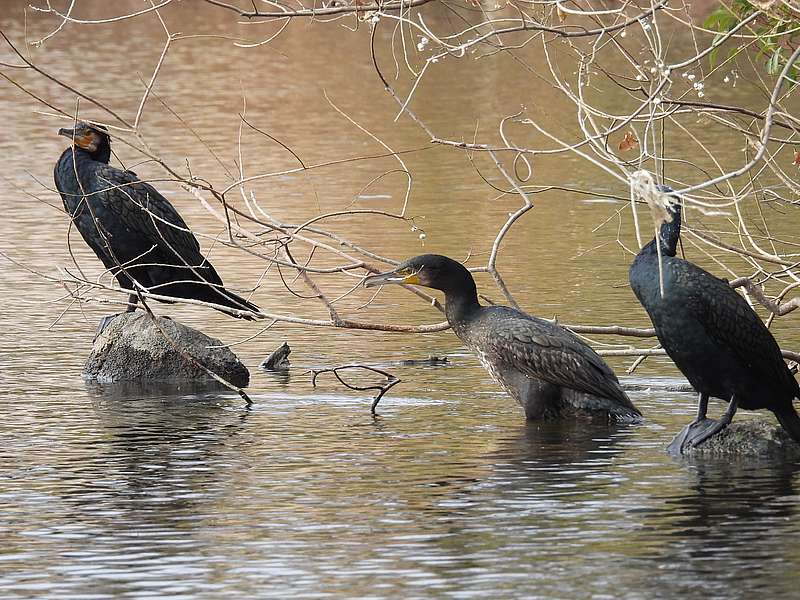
131	347
753	438
431	360
278	360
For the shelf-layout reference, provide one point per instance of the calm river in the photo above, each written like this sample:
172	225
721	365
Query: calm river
123	492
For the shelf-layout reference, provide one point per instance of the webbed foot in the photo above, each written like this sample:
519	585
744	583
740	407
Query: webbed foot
701	429
103	324
694	434
132	300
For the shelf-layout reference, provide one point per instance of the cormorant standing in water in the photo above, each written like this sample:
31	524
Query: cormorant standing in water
546	368
133	229
713	336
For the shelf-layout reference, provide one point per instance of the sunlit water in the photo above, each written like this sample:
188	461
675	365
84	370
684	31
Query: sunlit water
119	491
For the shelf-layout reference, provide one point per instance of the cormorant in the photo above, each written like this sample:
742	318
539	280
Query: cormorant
547	369
133	229
713	336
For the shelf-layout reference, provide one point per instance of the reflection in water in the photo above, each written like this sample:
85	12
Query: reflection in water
126	500
728	530
570	442
137	391
528	460
537	499
196	495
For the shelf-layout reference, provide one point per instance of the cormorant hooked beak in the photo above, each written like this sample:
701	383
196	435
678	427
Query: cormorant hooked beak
402	276
83	138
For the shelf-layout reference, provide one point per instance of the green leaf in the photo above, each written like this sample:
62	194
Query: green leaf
721	19
712	57
774	63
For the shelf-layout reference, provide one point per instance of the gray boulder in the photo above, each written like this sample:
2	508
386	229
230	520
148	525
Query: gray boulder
131	347
752	437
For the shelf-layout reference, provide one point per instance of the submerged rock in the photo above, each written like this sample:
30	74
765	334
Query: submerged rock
431	360
278	360
132	347
754	437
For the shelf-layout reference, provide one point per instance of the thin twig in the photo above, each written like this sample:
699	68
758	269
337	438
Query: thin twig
391	381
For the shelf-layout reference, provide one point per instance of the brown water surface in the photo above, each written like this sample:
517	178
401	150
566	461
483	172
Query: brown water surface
115	491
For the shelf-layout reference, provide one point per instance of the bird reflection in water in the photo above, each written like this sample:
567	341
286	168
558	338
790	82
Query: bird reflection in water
543	461
163	442
732	515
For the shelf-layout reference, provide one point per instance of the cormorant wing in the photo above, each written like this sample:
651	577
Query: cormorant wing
148	214
549	352
730	321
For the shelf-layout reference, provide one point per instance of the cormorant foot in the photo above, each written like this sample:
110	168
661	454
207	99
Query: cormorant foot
103	324
694	434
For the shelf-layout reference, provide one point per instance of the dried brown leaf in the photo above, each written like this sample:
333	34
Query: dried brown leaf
628	143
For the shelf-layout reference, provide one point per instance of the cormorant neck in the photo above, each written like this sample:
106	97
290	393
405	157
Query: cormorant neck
103	152
670	232
459	303
668	235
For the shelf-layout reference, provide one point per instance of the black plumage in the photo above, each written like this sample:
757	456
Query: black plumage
713	336
547	369
134	230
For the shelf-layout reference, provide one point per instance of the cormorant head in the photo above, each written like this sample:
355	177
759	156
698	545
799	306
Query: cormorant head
670	231
429	270
92	138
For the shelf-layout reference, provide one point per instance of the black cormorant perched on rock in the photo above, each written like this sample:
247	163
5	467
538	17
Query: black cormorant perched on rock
547	369
132	228
713	336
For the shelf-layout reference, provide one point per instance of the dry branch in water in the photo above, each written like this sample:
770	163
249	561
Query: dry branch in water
391	381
